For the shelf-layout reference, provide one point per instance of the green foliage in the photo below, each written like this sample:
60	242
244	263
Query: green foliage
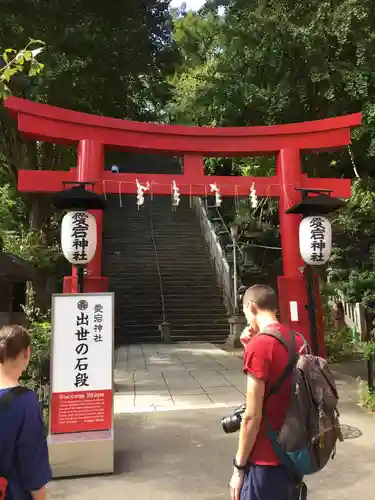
368	349
339	344
37	373
12	208
280	62
16	62
32	246
352	269
277	62
367	398
36	246
111	61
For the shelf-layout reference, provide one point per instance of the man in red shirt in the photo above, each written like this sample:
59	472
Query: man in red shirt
257	473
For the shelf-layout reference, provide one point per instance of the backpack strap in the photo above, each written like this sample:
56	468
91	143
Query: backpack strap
293	358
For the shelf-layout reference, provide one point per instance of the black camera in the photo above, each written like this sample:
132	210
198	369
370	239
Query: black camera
233	422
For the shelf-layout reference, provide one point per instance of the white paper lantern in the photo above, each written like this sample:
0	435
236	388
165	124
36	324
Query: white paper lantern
78	237
315	240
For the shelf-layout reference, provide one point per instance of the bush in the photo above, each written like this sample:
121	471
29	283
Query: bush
366	398
37	376
38	372
339	344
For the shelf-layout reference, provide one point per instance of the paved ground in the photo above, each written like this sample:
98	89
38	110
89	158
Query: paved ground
183	454
159	378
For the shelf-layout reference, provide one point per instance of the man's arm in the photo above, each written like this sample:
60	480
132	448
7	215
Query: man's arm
251	419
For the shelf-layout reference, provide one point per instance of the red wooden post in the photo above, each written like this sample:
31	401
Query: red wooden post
90	166
288	171
292	286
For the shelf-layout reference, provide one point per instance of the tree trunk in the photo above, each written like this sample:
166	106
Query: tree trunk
39	213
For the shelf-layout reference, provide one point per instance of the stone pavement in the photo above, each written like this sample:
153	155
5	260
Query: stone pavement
176	376
183	454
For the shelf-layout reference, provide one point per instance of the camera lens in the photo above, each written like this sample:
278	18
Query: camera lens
230	424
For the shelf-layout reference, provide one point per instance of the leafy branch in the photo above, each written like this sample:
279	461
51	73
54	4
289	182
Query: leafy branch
23	61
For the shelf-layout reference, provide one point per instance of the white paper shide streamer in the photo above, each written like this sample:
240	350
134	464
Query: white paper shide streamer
140	192
253	196
216	191
175	194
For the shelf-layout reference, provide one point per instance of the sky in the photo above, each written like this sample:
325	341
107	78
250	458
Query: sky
191	4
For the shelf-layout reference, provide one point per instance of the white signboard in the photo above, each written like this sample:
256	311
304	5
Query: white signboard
82	361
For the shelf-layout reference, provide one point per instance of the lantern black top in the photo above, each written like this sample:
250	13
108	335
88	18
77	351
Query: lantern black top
78	198
318	203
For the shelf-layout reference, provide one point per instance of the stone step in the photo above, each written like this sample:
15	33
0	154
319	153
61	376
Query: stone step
171	289
196	315
194	322
133	281
192	298
169	263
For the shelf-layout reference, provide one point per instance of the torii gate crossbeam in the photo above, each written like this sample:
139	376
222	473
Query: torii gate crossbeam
92	133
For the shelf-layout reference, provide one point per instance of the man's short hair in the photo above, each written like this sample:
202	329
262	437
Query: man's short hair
263	296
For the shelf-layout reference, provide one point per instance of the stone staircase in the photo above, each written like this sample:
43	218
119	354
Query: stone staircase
156	248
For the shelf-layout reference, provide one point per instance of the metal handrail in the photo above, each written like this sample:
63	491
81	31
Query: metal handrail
228	230
157	263
222	268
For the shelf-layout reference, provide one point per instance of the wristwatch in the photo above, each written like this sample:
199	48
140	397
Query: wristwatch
237	466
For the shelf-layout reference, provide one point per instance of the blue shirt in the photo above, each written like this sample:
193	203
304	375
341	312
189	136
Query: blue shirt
23	447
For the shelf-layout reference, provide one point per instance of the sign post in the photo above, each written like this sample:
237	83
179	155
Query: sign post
81	403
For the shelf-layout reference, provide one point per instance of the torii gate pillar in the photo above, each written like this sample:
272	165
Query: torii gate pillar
292	285
90	166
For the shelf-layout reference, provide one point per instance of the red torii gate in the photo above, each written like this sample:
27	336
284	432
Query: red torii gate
92	133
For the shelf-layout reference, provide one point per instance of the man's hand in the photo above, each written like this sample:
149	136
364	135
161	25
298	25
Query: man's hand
236	484
246	335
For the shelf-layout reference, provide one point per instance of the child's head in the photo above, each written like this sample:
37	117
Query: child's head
14	349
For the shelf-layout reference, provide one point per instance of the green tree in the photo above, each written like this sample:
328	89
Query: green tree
279	62
110	61
352	267
267	62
